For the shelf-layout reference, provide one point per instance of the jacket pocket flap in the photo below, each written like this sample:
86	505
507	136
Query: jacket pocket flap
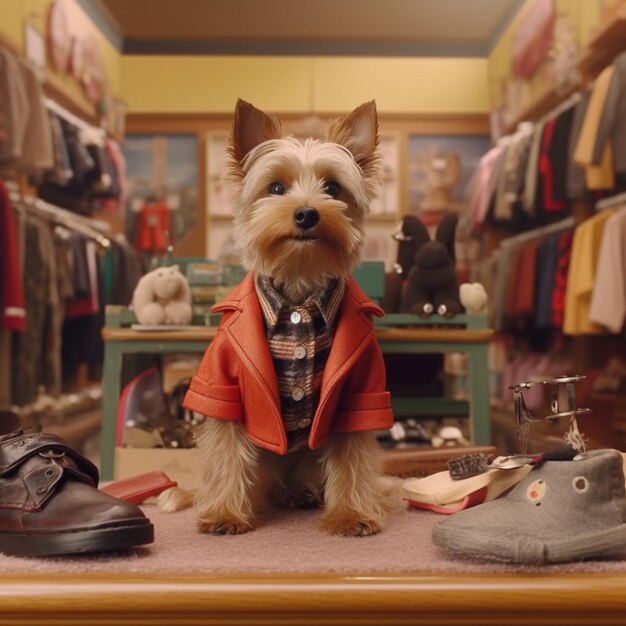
226	393
365	401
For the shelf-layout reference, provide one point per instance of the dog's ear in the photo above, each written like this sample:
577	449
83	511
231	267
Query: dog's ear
251	128
446	232
357	131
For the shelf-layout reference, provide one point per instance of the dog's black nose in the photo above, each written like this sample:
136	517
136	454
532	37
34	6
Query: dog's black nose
306	217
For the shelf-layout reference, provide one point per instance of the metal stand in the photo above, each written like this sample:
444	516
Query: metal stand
562	404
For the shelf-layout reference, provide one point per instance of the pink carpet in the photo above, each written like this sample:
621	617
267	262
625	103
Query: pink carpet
289	543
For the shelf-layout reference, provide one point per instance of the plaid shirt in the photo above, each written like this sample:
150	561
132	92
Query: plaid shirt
299	338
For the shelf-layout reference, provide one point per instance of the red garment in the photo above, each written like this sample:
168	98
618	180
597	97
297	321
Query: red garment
154	232
12	305
236	379
560	278
546	167
520	299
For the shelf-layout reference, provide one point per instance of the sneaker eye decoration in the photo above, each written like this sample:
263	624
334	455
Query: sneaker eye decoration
562	404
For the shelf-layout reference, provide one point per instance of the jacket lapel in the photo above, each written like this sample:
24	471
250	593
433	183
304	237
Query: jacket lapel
354	329
246	331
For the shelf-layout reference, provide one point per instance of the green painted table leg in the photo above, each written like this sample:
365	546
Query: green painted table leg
480	422
111	388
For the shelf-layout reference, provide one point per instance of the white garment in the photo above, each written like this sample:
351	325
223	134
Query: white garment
608	299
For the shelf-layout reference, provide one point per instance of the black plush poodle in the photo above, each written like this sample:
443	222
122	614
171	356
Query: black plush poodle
432	284
394	280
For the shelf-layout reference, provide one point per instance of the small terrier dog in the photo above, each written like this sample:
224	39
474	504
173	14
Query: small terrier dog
294	376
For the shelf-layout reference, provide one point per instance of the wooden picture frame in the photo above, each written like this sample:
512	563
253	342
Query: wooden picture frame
213	226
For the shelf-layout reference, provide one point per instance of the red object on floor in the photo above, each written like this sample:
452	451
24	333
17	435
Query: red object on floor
139	488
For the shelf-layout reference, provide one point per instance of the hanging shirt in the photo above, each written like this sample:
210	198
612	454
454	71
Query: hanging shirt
608	300
599	172
612	125
12	308
581	276
299	339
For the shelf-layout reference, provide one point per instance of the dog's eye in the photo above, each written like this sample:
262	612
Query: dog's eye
276	189
332	188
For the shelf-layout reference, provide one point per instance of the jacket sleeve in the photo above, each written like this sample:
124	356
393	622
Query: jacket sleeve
365	404
214	390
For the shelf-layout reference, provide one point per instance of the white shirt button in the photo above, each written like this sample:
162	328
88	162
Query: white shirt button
296	318
303	423
299	352
297	394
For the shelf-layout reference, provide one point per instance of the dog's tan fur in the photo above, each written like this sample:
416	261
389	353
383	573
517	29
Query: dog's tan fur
240	482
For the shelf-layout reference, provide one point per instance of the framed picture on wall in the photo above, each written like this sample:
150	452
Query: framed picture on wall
163	168
440	169
386	205
219	205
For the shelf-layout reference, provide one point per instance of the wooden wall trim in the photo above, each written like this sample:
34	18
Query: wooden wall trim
419	123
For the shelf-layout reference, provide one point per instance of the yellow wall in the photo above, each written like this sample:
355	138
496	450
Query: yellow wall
13	13
211	84
13	16
300	84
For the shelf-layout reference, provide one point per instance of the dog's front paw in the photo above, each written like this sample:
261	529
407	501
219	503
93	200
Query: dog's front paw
227	526
351	526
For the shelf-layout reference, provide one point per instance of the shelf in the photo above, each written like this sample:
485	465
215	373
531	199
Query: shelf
382	217
606	44
549	99
428	407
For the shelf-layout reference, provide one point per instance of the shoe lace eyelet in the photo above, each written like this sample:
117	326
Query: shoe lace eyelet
50	473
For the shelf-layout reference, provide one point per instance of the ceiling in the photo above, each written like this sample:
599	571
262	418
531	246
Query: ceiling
301	27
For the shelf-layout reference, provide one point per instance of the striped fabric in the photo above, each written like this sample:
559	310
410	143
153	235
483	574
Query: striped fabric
299	338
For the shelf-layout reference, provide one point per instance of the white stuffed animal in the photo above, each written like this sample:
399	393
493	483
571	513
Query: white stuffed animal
162	296
473	297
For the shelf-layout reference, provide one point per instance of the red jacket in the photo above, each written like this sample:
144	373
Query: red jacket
236	379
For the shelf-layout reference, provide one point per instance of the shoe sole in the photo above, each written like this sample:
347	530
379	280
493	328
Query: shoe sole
105	539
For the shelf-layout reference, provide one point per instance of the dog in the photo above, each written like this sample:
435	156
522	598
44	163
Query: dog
294	375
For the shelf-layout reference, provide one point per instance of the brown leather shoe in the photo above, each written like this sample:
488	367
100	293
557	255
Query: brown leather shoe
50	504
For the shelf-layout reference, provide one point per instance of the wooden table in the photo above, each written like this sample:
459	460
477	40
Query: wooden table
443	599
473	339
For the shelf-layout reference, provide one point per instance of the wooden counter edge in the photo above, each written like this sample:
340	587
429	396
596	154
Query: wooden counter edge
390	335
441	598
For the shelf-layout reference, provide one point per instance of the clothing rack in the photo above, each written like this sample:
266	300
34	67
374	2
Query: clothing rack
607	203
84	225
53	106
542	231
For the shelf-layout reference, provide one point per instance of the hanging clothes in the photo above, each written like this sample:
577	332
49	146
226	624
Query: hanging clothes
12	304
575	186
12	311
546	264
612	125
608	299
14	108
599	173
154	229
28	346
581	276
